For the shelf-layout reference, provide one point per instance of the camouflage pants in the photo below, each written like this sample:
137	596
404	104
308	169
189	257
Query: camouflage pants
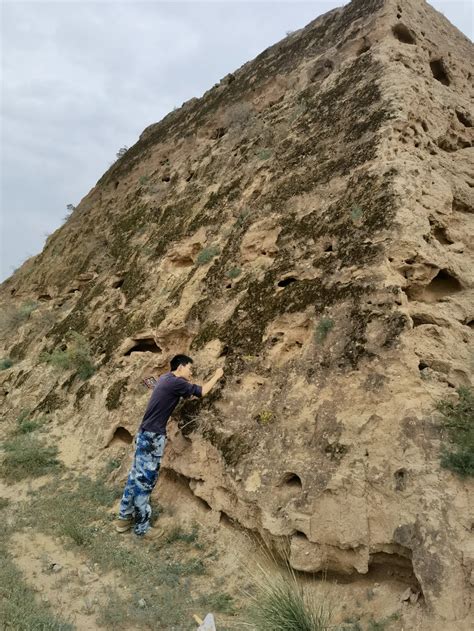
142	479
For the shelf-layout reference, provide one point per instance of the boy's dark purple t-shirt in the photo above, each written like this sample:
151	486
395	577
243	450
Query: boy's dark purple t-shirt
166	395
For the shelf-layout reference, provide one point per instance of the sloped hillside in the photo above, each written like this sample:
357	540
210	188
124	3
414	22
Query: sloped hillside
307	225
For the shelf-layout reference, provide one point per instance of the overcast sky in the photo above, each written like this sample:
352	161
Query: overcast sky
81	79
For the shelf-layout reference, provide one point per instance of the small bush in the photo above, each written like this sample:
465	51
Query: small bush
121	152
111	466
265	416
5	363
325	325
13	317
26	425
265	154
458	421
356	213
26	456
77	356
207	254
241	219
234	272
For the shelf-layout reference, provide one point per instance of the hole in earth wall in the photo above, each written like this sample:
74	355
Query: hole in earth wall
291	480
439	71
145	345
443	284
403	34
287	281
121	437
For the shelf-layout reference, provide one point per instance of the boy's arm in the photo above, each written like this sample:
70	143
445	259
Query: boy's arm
207	387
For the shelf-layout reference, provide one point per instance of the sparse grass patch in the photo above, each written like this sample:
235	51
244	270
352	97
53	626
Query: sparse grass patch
26	456
19	610
381	625
220	602
78	510
458	421
207	254
77	356
178	534
324	326
4	502
5	363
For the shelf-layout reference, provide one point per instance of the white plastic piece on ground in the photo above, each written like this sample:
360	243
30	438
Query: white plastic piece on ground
208	624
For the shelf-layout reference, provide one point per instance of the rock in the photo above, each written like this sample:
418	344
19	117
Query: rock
142	603
56	567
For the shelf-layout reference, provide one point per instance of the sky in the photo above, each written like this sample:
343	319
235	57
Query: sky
80	79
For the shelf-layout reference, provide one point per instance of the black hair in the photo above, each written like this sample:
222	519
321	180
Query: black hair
180	360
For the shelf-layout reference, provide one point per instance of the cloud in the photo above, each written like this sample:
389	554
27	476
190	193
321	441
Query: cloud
81	79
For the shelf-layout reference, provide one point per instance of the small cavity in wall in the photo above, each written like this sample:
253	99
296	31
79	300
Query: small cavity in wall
145	345
121	437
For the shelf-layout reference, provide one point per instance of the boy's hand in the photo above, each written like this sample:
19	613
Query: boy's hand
219	373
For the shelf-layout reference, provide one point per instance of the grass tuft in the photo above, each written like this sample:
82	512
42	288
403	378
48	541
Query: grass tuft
324	326
279	603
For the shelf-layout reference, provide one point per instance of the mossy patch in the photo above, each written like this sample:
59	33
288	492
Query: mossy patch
115	393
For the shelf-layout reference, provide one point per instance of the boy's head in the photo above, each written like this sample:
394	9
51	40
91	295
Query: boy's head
181	365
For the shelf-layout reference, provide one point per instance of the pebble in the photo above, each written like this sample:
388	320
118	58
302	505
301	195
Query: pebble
142	603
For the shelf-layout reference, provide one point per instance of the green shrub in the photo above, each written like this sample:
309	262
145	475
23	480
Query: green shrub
265	416
207	254
325	325
77	356
26	425
356	213
111	466
26	456
5	363
13	317
458	421
234	272
265	154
